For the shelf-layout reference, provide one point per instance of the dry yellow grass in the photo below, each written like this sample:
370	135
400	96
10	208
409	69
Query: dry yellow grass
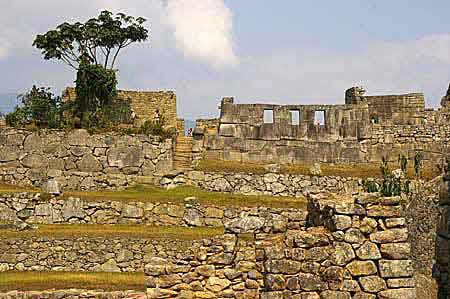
118	231
177	195
40	281
358	170
230	166
5	188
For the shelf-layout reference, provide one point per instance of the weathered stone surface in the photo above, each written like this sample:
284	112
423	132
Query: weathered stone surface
368	251
125	156
342	222
396	283
390	236
372	284
215	284
131	211
362	268
396	250
343	253
78	137
395	268
52	186
35	161
8	154
335	295
406	293
89	163
245	225
72	208
274	282
354	235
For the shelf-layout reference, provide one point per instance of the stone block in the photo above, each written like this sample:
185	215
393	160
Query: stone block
395	268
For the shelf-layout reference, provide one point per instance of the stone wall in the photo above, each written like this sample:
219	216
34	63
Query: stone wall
363	130
145	104
90	254
405	109
379	141
362	252
265	184
36	209
80	161
443	239
73	294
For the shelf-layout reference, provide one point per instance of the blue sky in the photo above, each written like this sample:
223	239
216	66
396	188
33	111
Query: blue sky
258	51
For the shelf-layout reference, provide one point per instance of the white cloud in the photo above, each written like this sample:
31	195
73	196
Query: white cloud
203	30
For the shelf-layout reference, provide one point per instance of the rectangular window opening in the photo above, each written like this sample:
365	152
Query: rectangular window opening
268	116
295	117
319	117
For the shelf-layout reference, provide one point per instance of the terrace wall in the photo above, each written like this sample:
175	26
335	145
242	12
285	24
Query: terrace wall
35	209
273	184
73	294
362	252
78	160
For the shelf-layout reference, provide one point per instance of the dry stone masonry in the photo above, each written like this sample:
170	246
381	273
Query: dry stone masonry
74	294
145	104
91	254
362	251
363	130
443	239
265	184
36	209
80	161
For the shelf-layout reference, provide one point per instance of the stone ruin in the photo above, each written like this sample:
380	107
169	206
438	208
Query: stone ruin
362	130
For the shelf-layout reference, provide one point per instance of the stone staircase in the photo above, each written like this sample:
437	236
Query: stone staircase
182	159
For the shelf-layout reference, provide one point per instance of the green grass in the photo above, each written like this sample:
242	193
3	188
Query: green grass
155	194
41	281
370	170
115	231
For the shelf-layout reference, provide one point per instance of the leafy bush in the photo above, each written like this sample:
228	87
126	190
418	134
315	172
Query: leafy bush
392	184
371	186
39	107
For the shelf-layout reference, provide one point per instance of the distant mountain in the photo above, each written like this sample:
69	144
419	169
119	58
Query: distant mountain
7	102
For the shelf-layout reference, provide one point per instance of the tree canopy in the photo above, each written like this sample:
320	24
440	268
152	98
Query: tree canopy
98	41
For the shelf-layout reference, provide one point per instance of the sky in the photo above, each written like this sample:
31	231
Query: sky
282	52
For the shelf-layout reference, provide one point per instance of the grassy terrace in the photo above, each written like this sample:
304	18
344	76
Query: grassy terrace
40	281
177	195
359	170
115	231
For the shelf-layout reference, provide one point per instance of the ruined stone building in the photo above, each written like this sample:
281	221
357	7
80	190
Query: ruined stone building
145	104
363	129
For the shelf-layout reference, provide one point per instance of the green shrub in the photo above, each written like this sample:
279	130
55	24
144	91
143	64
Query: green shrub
371	186
38	107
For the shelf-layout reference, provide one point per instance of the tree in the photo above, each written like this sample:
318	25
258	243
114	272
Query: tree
92	49
98	41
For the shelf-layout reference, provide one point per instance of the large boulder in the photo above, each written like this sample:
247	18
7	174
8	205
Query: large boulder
249	224
125	156
89	164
